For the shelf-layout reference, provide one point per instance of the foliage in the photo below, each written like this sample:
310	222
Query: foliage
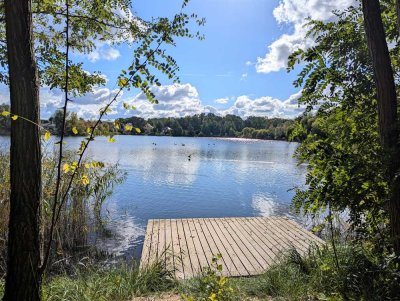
211	286
118	283
80	214
193	126
361	275
211	125
346	170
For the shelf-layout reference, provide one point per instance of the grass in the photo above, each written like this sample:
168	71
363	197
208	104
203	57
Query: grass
119	283
352	274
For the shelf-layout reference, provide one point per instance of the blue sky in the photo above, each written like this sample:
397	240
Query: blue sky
238	69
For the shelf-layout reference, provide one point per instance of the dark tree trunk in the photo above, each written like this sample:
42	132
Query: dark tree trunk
23	279
387	108
398	15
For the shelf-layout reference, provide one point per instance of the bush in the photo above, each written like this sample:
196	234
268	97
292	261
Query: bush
117	283
354	274
210	286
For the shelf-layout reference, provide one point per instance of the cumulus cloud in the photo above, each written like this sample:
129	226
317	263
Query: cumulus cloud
104	52
175	100
183	99
222	100
266	106
295	14
244	76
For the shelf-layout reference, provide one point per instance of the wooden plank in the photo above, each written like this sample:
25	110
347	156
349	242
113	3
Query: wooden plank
281	235
236	254
250	259
146	245
154	242
186	258
194	256
291	232
230	258
305	232
248	246
278	235
212	246
266	249
201	256
248	241
176	249
203	242
169	254
267	237
161	250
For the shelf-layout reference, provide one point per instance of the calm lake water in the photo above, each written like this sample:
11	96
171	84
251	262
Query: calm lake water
178	177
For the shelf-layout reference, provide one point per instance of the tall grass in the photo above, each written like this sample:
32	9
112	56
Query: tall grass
117	283
80	215
353	273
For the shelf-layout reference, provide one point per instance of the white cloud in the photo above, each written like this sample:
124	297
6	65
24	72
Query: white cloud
268	106
295	14
222	100
104	52
175	100
244	76
248	63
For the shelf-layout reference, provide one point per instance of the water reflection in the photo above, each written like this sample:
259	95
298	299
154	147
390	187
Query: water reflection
178	177
266	205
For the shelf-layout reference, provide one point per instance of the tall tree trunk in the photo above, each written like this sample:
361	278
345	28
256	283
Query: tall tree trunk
23	279
398	15
387	108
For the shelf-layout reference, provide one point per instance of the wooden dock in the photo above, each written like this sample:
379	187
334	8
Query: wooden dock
248	246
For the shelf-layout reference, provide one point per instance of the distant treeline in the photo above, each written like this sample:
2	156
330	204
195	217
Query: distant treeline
201	125
211	125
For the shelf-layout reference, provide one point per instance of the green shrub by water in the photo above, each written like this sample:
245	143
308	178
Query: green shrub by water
107	284
352	274
118	283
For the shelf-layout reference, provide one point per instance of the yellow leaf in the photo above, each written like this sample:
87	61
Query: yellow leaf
47	135
66	168
213	297
128	127
14	117
5	113
87	165
111	139
122	82
126	106
116	124
85	180
88	130
133	108
138	130
74	130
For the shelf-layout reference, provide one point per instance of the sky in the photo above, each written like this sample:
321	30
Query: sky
239	68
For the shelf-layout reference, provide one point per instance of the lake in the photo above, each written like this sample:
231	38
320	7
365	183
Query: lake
178	177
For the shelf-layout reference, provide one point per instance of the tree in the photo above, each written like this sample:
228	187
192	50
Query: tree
23	279
346	166
86	22
387	109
